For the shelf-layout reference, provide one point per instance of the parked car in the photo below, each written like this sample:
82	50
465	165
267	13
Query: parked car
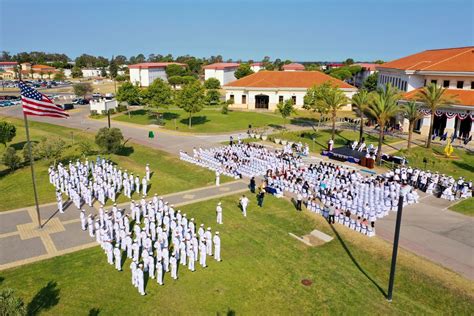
67	106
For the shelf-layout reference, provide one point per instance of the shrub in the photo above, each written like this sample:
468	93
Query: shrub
109	140
10	304
225	108
11	159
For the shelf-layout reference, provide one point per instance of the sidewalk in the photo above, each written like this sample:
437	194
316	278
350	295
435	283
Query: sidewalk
22	242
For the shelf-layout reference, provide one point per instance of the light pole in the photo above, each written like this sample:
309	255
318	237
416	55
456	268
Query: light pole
403	191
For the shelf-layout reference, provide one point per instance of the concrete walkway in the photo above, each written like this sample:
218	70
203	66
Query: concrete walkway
22	242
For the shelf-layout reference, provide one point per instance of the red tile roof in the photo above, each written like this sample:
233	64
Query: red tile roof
153	65
459	59
221	66
42	67
257	64
367	66
463	96
293	66
8	63
286	79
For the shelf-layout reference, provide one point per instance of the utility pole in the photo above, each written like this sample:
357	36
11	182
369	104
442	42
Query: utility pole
403	191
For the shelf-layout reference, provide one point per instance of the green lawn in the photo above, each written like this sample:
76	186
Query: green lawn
209	120
169	173
261	273
322	137
465	207
460	164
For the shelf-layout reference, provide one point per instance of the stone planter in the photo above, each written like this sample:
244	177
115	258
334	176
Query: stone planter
290	143
252	135
264	137
284	142
277	140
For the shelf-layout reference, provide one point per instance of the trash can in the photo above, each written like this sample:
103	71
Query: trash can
151	134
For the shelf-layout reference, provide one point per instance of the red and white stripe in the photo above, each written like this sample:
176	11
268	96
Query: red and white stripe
42	108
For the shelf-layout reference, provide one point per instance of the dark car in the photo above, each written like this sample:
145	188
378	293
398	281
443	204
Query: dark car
67	106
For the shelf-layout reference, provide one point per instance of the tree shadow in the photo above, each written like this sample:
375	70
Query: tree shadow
343	244
464	166
196	120
46	298
20	145
229	312
125	151
168	116
95	311
138	112
1	279
276	126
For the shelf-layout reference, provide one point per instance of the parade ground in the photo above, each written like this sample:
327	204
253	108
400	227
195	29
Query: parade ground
60	269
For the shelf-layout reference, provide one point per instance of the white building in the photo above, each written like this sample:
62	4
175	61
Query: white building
451	68
4	65
145	73
265	89
91	72
293	67
256	67
367	70
101	106
224	72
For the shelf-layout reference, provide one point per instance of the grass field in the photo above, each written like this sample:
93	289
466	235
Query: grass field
465	207
211	120
322	137
261	273
169	173
460	164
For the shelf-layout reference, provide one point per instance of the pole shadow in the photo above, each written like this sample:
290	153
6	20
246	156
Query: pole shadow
343	244
95	311
45	299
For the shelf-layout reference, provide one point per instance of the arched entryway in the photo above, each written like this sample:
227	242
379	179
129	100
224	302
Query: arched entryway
261	101
464	126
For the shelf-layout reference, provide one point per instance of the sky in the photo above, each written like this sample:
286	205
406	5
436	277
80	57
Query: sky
298	30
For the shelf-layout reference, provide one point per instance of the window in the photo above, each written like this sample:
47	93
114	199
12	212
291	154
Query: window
280	99
244	99
472	84
231	97
460	84
294	99
434	81
446	83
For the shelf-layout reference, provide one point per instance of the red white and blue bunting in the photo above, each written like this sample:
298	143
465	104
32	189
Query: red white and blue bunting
449	114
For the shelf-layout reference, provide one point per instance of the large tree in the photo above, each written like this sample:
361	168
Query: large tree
326	98
411	111
433	97
212	83
175	70
82	89
213	97
383	107
76	72
361	101
370	83
129	93
191	99
158	94
7	132
286	108
242	71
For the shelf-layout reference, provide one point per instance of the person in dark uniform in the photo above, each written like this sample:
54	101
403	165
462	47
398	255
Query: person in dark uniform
252	185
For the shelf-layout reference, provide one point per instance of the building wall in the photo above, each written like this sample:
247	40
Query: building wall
255	68
156	73
87	73
145	76
452	81
274	97
102	105
223	75
135	76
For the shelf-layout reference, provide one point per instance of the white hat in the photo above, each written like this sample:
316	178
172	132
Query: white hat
219	203
217	233
209	228
202	225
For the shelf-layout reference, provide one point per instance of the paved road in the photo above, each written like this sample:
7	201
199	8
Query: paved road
428	228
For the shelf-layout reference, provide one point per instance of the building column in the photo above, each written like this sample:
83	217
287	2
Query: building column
450	122
425	125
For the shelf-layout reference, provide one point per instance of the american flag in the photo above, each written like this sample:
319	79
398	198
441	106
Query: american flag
35	103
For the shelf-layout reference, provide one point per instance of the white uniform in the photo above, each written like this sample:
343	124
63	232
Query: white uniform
174	267
217	247
244	202
219	214
118	259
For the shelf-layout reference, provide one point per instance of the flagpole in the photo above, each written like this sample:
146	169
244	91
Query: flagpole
31	162
32	170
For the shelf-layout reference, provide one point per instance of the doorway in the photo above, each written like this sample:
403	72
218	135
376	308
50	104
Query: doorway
261	101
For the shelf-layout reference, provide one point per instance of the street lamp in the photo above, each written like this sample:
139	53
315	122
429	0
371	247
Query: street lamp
403	192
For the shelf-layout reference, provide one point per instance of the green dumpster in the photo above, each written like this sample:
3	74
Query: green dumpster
151	134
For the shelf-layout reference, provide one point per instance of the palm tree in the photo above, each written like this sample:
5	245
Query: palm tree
383	106
361	101
433	97
411	111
